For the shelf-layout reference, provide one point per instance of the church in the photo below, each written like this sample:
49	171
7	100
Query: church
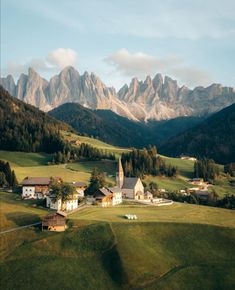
132	187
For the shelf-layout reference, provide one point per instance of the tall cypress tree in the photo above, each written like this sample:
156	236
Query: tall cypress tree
14	181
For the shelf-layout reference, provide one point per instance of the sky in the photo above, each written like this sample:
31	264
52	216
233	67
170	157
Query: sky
188	40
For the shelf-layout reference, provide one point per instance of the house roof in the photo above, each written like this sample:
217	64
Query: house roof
148	193
103	191
130	182
36	181
61	213
115	189
56	219
78	184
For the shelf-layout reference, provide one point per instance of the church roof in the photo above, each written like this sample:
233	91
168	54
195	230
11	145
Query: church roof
130	182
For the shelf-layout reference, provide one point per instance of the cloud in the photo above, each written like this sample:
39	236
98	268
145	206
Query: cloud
55	60
140	65
62	57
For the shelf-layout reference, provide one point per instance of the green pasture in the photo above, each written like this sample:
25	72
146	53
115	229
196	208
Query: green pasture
173	247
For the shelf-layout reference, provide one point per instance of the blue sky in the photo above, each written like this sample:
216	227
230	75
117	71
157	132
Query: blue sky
191	41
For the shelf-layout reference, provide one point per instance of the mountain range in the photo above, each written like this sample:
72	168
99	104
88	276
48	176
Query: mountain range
155	98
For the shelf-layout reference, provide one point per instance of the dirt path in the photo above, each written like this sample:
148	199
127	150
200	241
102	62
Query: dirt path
20	228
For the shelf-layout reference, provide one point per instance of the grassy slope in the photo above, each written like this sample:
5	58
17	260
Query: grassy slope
33	164
94	142
177	247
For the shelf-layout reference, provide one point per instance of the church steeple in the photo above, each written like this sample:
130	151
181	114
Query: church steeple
119	174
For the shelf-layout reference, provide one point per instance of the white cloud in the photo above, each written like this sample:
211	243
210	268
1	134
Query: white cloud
140	65
54	61
62	57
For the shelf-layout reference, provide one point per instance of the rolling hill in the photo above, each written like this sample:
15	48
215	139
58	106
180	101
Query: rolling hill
213	138
177	247
25	128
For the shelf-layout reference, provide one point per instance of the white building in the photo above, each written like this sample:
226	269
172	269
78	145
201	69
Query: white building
35	187
67	205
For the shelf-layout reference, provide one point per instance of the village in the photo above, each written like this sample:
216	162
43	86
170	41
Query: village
62	202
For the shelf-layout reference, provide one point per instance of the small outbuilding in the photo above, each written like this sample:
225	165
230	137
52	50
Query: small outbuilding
55	222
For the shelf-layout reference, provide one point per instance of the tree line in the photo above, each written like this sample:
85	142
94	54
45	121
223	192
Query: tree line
7	176
141	162
206	169
86	151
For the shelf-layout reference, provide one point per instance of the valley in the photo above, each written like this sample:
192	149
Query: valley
117	145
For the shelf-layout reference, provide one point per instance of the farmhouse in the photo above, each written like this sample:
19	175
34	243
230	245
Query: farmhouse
79	187
55	222
108	196
131	187
205	196
60	205
35	187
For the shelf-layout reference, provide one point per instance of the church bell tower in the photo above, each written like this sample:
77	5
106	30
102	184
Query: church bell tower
119	174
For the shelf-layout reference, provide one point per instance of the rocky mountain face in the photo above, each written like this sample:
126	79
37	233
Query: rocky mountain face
155	99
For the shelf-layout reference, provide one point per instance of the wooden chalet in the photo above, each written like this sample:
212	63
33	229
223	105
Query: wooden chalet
55	222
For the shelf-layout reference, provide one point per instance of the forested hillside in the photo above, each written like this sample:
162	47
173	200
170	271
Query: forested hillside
214	138
114	129
25	128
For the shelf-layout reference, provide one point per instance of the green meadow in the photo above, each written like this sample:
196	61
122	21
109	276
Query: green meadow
176	247
36	164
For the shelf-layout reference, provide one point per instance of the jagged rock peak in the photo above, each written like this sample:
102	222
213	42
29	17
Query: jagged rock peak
154	98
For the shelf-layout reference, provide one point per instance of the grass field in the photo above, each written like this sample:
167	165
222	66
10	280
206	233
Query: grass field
35	164
178	247
94	142
23	159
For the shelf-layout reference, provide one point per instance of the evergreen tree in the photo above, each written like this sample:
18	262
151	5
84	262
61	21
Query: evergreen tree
14	181
97	180
3	181
8	173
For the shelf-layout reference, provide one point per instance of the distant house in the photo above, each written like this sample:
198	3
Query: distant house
132	187
55	222
196	181
205	196
79	187
35	187
188	158
75	142
108	196
59	205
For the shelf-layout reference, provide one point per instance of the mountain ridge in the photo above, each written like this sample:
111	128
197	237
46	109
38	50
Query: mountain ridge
213	138
120	131
154	98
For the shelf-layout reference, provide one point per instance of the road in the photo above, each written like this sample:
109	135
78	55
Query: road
20	228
